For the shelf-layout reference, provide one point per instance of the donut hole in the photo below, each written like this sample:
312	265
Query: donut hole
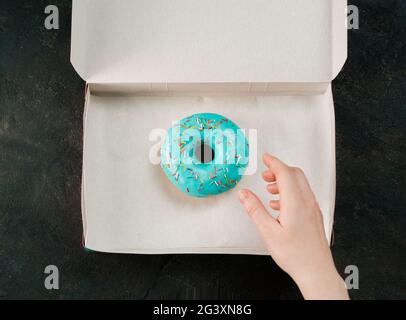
204	153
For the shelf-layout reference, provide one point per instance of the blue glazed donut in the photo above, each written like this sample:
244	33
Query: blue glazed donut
204	154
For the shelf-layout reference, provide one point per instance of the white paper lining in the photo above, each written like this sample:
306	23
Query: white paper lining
131	207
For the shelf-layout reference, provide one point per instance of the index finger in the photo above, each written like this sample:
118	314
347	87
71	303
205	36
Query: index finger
274	164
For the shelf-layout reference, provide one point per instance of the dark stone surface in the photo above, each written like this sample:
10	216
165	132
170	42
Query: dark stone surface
41	106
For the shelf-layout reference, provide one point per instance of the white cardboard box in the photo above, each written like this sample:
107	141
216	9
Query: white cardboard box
265	64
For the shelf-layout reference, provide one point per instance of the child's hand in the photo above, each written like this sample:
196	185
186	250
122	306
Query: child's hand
296	239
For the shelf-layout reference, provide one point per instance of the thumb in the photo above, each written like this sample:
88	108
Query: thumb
264	222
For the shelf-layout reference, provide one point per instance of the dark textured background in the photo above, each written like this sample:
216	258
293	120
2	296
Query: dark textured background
41	109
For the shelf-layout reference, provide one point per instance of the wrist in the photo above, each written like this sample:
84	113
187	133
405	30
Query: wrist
324	284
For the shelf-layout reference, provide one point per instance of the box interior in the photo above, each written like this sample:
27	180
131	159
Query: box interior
130	206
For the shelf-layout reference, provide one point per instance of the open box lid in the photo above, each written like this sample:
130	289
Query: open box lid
204	41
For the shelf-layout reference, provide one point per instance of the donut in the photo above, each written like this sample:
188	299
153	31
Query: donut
204	155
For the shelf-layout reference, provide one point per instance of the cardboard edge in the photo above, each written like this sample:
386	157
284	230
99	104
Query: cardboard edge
214	88
339	36
333	188
77	38
83	204
197	251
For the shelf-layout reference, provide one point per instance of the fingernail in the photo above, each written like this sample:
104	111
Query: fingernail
242	195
